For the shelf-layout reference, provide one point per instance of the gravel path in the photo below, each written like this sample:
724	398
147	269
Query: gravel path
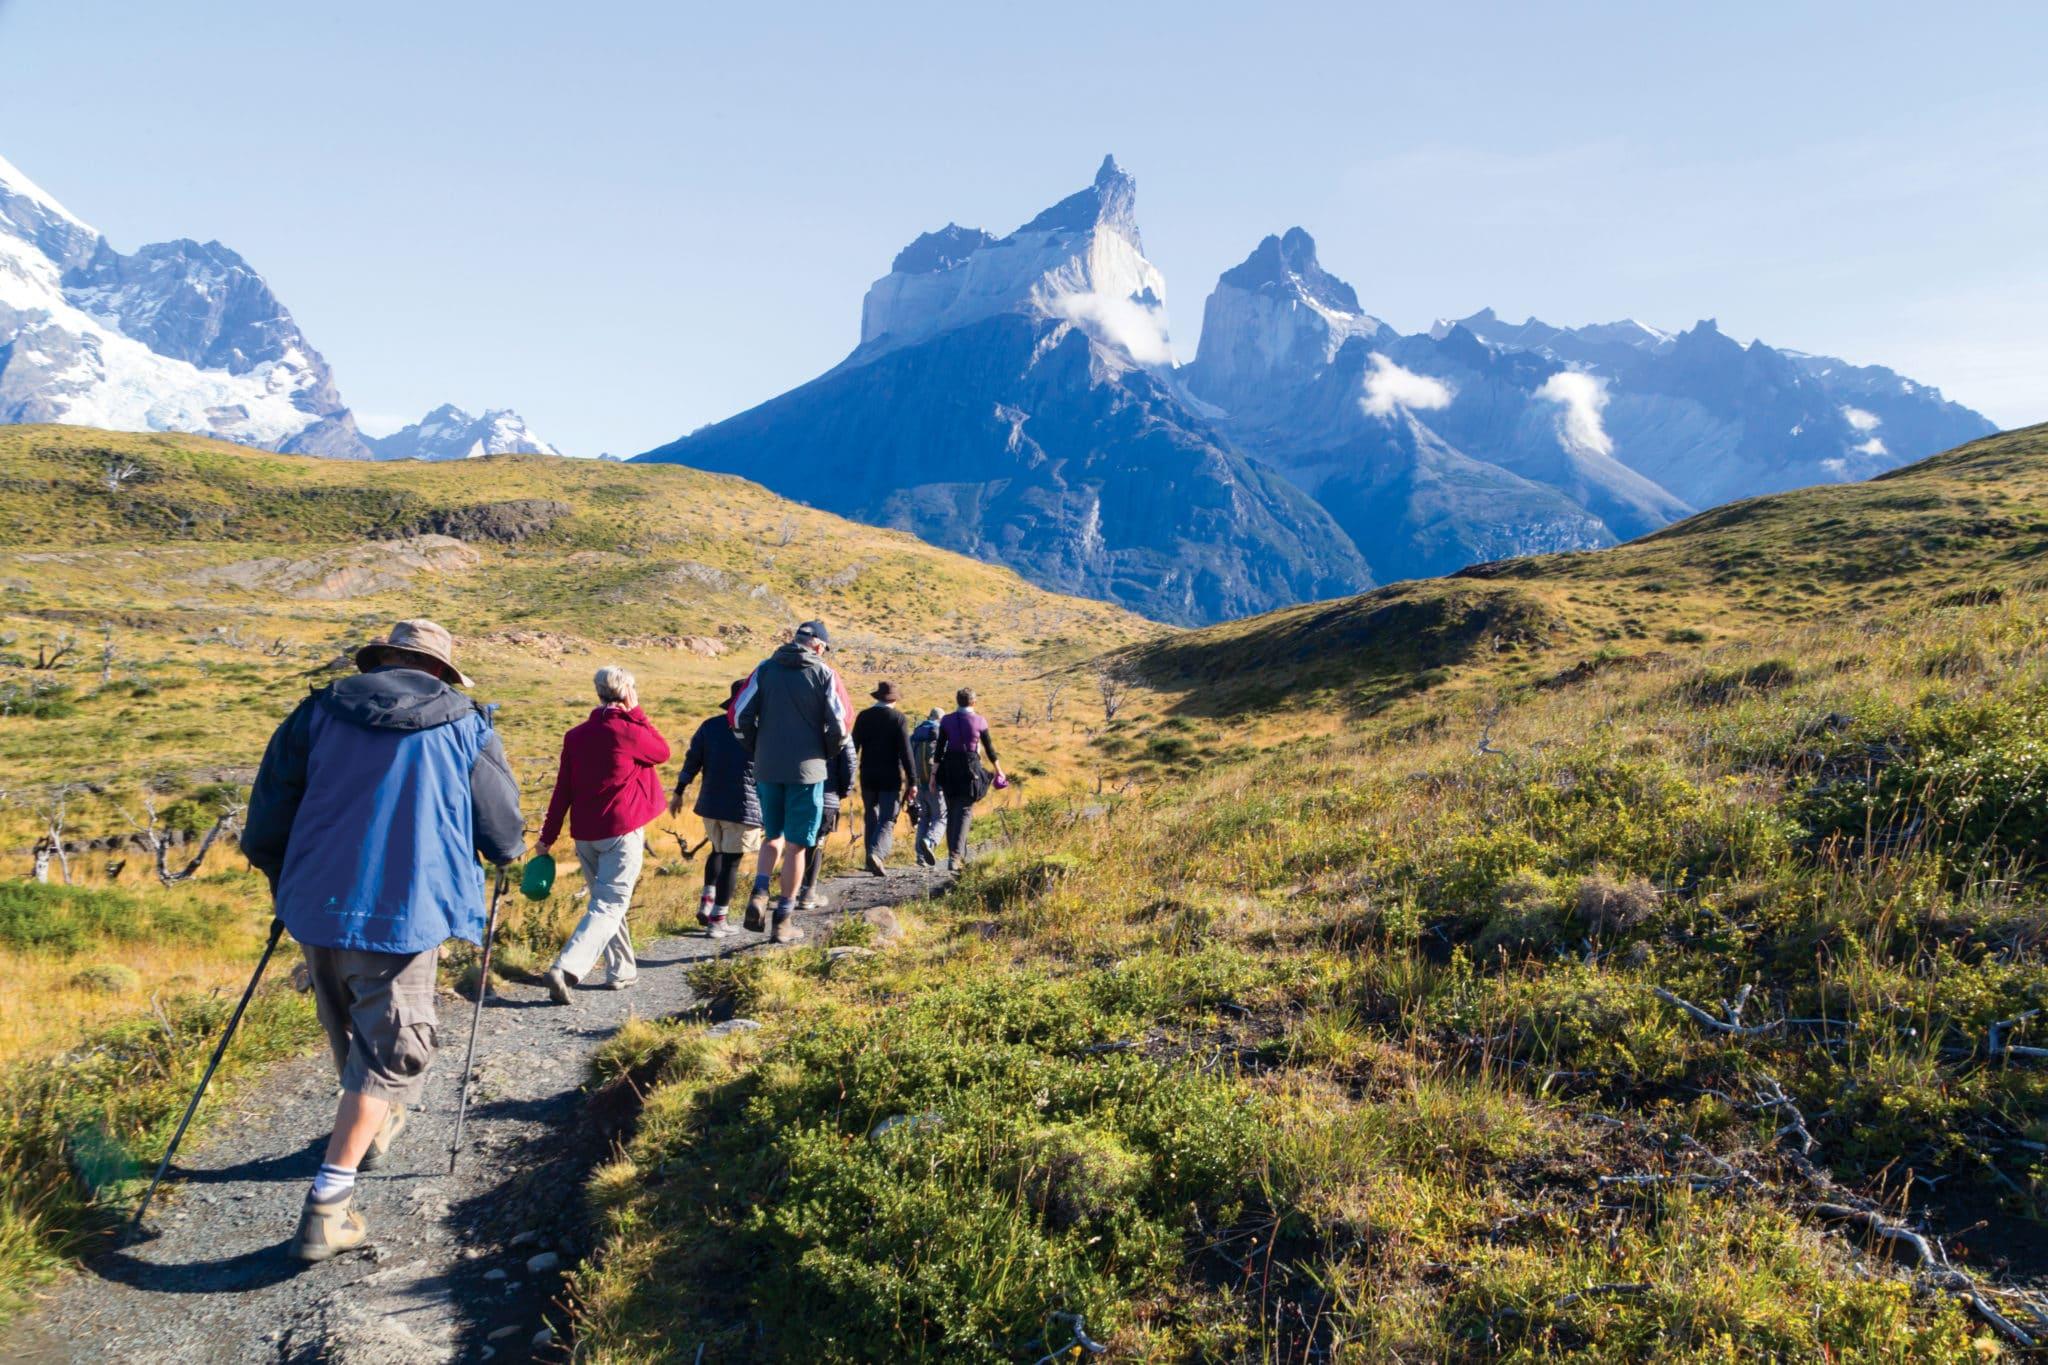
467	1267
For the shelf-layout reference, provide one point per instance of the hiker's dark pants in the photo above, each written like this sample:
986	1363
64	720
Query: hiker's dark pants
879	808
959	815
378	1013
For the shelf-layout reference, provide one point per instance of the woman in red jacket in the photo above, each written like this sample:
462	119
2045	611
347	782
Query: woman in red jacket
608	787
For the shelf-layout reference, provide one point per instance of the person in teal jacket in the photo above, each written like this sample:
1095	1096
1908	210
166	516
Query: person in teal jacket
374	800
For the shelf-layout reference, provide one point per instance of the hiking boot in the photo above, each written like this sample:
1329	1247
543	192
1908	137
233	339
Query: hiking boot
785	930
616	982
757	911
925	856
328	1229
814	900
704	912
716	927
952	863
557	982
394	1124
875	868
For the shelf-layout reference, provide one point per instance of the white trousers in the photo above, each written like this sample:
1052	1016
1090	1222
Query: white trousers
611	867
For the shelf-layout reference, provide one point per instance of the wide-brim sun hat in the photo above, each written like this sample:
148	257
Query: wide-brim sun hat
885	691
418	637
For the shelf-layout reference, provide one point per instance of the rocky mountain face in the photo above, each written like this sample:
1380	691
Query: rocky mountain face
1013	398
449	433
181	336
177	336
1483	439
1017	398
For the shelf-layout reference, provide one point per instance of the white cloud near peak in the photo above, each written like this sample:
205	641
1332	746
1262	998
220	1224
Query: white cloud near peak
1582	396
1874	446
1390	386
1860	420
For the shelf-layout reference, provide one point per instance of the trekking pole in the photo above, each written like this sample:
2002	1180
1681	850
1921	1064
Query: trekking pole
219	1051
483	988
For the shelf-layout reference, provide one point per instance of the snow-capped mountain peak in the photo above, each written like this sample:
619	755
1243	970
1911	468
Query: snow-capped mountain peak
176	337
450	433
1078	262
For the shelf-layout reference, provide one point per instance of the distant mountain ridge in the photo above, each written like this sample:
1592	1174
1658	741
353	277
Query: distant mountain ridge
1017	398
174	336
450	433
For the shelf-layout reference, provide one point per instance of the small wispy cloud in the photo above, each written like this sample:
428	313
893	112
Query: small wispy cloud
1873	446
1582	396
1390	386
1139	329
1860	420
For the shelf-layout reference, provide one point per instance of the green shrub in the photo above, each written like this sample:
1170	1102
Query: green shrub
1712	686
107	978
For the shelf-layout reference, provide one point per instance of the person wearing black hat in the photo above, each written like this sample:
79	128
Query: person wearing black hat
881	734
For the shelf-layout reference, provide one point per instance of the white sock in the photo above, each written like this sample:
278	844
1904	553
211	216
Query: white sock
332	1183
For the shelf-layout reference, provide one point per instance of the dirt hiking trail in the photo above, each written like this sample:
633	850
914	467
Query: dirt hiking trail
461	1268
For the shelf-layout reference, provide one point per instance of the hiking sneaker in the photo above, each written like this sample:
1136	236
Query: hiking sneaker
814	900
380	1145
952	863
557	982
328	1229
925	856
615	982
757	911
785	930
704	912
716	927
875	868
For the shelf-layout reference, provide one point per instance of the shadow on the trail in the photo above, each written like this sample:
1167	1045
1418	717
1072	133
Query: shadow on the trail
298	1165
258	1269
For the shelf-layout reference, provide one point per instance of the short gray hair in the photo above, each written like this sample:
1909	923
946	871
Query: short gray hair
613	683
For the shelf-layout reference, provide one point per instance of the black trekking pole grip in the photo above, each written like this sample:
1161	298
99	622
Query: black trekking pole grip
219	1051
483	988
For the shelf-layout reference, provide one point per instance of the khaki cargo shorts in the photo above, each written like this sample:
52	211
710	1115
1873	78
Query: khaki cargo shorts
378	1011
730	836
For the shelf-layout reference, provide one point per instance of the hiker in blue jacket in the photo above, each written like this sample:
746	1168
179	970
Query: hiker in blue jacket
374	799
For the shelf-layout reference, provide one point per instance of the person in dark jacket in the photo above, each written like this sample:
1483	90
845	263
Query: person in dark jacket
931	802
608	787
963	739
372	803
792	715
838	783
882	735
729	807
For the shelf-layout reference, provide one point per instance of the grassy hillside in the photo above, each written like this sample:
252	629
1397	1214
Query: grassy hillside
165	601
1615	956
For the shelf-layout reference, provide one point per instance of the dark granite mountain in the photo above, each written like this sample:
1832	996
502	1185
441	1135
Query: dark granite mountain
1012	398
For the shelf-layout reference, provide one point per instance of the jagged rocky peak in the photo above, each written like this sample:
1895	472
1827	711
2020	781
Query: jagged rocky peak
1273	324
1079	263
28	212
951	245
1287	263
1110	202
177	336
452	433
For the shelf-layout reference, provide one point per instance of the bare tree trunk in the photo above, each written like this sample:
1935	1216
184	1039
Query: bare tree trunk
223	825
41	871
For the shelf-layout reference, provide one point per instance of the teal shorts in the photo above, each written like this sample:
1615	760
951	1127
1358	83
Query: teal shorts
792	811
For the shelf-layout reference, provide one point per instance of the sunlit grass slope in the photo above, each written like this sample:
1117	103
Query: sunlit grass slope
1355	1027
166	600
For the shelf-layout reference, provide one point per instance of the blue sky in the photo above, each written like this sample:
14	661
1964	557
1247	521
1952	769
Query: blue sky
629	219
